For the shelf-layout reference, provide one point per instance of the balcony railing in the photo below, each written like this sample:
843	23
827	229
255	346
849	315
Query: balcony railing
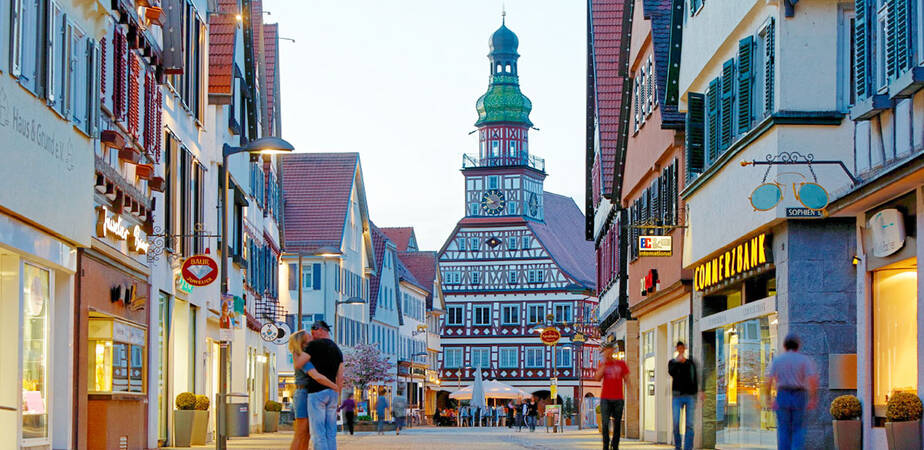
517	159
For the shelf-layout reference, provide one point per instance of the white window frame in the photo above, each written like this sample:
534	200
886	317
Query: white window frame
759	60
493	182
477	313
516	313
560	357
846	57
531	309
566	307
527	243
452	358
481	352
650	87
508	358
474	244
531	355
881	82
513	277
512	243
476	277
461	244
450	309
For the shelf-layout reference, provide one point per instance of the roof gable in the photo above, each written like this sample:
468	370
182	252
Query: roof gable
423	265
316	195
403	237
222	42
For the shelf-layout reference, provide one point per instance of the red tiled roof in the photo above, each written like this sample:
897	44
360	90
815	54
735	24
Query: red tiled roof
401	236
316	192
609	51
270	41
560	234
222	33
423	266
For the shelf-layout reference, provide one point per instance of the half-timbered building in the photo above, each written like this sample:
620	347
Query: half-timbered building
517	260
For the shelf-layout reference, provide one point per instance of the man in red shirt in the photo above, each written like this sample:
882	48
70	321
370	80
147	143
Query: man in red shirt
614	373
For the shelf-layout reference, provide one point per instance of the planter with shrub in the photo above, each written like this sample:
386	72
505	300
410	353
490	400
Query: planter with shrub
271	416
903	421
848	428
183	419
200	420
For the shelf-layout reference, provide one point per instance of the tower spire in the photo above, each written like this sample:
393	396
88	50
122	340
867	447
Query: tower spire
503	14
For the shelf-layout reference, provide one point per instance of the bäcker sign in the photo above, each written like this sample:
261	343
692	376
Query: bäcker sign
748	255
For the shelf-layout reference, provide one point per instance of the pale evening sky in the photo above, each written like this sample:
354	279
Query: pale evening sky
397	81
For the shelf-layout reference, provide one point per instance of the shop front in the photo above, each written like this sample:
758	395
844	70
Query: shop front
795	277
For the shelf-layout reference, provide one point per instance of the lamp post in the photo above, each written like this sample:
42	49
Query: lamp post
421	402
577	342
264	145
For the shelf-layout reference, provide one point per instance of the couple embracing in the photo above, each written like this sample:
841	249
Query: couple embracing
318	366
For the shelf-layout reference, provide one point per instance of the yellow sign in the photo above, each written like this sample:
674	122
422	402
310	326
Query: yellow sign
741	258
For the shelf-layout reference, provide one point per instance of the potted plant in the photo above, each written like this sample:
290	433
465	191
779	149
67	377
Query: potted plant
271	416
903	421
848	428
200	426
183	418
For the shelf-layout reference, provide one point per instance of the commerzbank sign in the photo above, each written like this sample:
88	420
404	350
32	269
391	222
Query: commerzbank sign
754	253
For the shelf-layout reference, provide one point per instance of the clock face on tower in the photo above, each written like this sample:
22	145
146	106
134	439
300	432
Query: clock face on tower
493	202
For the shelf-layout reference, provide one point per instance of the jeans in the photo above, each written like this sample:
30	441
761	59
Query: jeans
381	422
688	403
323	419
611	409
300	403
350	417
790	409
532	422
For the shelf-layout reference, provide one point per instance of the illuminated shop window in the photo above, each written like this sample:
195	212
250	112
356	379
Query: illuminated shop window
115	360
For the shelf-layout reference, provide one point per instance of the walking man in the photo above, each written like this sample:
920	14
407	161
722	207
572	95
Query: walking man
796	381
349	412
399	410
684	388
614	373
532	413
322	400
510	407
522	410
381	404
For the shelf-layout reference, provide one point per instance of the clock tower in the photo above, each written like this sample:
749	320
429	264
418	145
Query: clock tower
503	179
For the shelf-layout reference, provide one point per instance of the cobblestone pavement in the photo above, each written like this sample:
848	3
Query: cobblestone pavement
449	439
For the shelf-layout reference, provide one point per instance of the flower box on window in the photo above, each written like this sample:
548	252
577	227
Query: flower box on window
130	155
144	171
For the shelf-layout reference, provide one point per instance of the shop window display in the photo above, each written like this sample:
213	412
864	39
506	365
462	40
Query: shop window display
743	352
116	360
895	363
36	288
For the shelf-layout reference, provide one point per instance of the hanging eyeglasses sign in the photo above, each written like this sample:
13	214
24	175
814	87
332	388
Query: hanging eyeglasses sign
813	197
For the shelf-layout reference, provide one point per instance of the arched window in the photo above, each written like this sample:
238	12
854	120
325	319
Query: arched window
507	69
498	67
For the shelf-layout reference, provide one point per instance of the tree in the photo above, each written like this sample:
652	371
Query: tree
365	366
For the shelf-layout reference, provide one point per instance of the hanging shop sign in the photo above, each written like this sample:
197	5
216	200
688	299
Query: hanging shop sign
268	332
751	254
550	336
282	333
654	246
182	285
199	270
887	230
111	225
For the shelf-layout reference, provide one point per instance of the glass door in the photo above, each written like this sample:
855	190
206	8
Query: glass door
36	289
9	332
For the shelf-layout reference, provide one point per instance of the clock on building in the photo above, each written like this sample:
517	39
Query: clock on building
493	202
533	204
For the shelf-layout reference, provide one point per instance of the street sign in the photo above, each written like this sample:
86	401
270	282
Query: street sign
804	213
282	333
550	336
269	332
654	245
200	270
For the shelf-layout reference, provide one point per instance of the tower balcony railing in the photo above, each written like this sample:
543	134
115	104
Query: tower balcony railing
471	161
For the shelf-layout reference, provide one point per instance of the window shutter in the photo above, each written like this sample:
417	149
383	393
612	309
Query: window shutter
899	35
861	48
102	67
316	276
173	36
728	103
119	74
293	277
769	67
745	83
695	134
94	74
712	122
158	128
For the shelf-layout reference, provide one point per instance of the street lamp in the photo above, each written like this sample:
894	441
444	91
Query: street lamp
266	146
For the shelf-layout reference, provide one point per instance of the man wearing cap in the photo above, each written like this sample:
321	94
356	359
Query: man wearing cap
322	400
614	373
796	381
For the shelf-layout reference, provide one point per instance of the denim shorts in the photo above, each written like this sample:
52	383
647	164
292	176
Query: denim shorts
300	403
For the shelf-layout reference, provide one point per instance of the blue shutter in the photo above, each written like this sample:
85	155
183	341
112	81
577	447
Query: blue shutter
316	276
728	103
745	83
695	134
712	122
900	36
293	277
861	48
769	67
